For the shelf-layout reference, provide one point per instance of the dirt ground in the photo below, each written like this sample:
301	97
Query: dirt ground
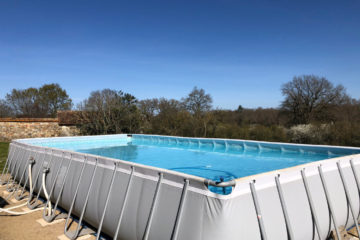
26	226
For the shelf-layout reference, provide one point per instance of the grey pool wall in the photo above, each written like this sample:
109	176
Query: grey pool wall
160	204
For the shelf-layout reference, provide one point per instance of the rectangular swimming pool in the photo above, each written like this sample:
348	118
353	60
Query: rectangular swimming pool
213	159
154	187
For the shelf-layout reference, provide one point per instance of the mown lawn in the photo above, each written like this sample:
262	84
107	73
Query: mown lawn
4	146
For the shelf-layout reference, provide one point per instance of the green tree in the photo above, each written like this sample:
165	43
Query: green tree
24	102
42	102
52	98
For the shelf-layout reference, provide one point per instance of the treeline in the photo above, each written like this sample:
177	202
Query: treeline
313	111
45	101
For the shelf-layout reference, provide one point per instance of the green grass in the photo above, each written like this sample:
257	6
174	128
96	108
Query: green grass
4	146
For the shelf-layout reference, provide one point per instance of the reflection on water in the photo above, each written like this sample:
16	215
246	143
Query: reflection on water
128	152
207	161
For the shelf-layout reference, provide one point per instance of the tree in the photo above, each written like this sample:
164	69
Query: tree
109	111
198	102
42	102
310	97
5	109
24	102
52	98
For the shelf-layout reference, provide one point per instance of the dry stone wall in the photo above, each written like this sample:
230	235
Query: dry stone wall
17	129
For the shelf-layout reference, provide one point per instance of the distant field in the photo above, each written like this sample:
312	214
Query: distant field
4	146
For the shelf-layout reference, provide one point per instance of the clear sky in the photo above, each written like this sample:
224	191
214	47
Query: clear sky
240	52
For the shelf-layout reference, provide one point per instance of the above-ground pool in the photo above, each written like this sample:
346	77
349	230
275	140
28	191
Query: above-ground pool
208	158
165	187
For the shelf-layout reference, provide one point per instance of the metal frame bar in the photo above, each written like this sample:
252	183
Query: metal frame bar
35	204
180	210
22	176
356	180
107	201
16	187
10	163
31	162
52	216
75	234
153	207
347	193
125	201
11	151
257	210
52	190
311	203
284	208
329	202
10	183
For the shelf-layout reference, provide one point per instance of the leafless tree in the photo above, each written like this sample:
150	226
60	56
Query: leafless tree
310	97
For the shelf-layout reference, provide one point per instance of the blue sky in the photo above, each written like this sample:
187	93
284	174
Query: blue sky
240	52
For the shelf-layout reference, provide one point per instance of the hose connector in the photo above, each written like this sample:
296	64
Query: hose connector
31	161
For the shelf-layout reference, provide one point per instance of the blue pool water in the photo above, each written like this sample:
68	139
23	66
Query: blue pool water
211	159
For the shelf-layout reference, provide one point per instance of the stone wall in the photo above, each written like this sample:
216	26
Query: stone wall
31	128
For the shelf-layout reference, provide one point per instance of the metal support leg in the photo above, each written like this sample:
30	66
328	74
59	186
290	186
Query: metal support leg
75	234
329	202
11	187
11	151
48	202
13	171
356	180
21	196
180	210
284	208
153	207
311	203
125	201
347	193
15	192
107	201
52	216
258	211
12	163
35	203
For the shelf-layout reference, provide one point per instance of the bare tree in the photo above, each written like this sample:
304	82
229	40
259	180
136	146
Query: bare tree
109	111
198	102
309	97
